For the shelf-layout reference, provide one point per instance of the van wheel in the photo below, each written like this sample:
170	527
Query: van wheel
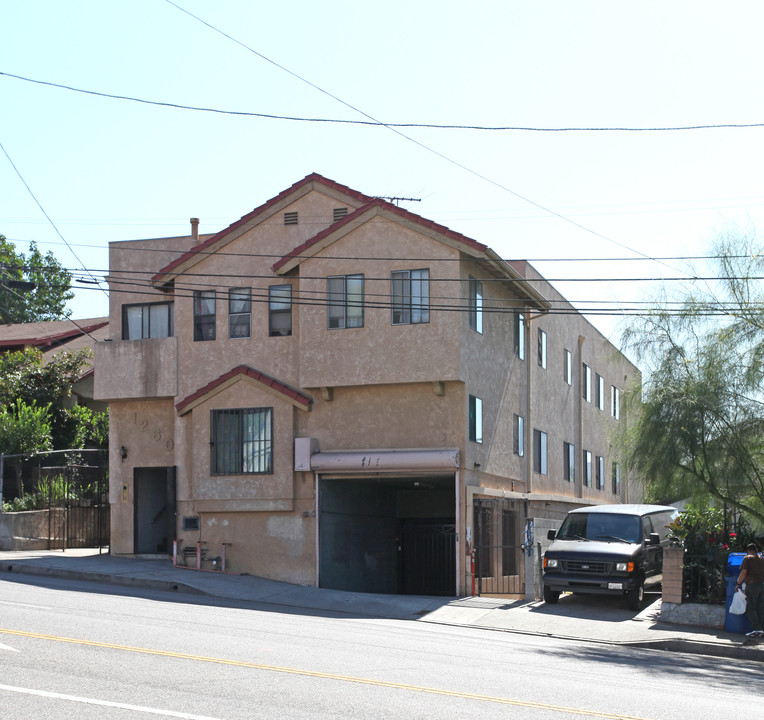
636	597
551	596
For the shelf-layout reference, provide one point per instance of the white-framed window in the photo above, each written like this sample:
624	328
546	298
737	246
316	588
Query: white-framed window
540	452
542	348
567	365
204	315
344	299
520	335
149	320
600	472
587	468
241	441
475	419
476	304
587	389
569	461
410	290
279	310
519	436
615	402
600	391
239	313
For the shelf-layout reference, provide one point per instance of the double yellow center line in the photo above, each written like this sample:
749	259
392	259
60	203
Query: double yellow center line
322	675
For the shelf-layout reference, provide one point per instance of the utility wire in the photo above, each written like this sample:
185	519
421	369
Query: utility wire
42	209
373	123
412	140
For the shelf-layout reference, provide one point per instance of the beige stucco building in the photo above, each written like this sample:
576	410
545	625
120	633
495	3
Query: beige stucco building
335	391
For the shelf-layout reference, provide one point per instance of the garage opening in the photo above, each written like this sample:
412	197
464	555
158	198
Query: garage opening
388	535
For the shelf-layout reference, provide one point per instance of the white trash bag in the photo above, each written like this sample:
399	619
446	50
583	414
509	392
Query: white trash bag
737	606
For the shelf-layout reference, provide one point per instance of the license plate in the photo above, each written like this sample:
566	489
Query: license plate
615	586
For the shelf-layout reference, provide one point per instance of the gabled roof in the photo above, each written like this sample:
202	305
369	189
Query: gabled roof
377	206
44	335
244	372
511	271
168	272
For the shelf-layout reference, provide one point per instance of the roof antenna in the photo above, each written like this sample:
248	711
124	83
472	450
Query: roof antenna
398	200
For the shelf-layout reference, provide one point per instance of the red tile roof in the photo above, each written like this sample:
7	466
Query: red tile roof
201	247
249	372
388	207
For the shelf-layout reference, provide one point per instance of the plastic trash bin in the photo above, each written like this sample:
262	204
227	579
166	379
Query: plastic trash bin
734	623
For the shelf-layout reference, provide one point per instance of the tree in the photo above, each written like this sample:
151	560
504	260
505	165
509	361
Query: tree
25	377
32	288
24	428
699	425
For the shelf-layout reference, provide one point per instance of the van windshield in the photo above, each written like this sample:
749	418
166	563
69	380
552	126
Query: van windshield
601	526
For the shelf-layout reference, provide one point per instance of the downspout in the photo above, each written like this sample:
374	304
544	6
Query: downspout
457	493
528	412
315	485
580	439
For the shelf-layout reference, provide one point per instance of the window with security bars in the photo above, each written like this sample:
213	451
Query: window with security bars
239	312
204	315
344	300
151	320
280	310
410	290
241	441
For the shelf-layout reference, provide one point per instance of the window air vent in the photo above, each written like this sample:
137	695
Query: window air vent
290	218
340	213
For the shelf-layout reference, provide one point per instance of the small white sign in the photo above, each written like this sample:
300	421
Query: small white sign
615	586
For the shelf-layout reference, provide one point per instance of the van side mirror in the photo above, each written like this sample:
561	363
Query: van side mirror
655	539
551	534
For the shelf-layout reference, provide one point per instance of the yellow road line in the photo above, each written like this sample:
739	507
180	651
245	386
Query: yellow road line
323	675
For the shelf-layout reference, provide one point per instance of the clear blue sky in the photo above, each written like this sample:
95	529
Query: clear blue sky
107	170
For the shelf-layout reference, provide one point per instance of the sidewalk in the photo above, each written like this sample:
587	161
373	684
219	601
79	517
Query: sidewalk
586	619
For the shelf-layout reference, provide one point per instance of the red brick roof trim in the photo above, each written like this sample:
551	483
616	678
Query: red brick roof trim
295	396
201	247
388	207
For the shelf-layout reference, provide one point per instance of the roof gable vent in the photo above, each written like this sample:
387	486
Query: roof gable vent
290	218
340	213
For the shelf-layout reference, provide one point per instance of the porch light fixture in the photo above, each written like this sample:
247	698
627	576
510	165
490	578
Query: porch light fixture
123	453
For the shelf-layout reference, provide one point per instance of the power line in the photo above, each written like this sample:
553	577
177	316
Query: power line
42	209
375	123
412	140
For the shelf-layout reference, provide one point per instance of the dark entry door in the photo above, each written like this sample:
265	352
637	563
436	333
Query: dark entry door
154	497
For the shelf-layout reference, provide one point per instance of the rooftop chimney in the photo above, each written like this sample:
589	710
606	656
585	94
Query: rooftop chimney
195	228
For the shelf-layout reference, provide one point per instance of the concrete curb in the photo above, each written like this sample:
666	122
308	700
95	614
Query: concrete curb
681	645
20	568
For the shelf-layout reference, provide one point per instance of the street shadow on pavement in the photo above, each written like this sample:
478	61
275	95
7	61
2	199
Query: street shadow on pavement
187	596
603	608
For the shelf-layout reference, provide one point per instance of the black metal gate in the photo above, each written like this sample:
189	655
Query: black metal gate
499	554
78	506
428	558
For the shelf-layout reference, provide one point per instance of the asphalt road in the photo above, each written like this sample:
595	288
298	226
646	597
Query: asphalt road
73	649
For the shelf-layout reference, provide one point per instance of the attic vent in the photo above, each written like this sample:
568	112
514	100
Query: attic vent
340	213
290	218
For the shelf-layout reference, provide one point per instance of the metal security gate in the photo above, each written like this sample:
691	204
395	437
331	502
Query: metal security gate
428	558
78	506
499	564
